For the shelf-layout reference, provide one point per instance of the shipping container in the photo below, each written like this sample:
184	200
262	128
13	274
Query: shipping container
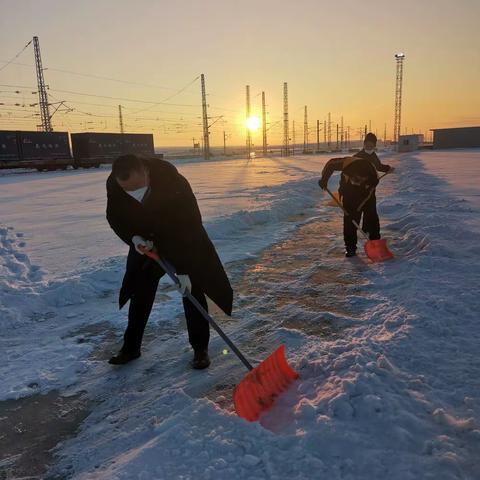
44	145
40	150
8	148
95	148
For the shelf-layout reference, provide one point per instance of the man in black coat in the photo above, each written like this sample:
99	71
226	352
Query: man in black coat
151	206
357	184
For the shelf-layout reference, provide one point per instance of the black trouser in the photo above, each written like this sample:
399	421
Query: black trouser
141	304
371	223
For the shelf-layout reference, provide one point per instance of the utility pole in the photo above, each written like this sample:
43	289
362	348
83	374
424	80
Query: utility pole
42	90
385	136
305	131
338	145
286	149
318	136
399	57
206	140
264	125
249	133
369	125
120	119
224	143
324	134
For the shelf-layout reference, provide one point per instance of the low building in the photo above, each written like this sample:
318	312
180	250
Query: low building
409	143
463	137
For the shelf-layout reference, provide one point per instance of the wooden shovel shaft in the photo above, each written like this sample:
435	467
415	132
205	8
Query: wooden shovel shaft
199	307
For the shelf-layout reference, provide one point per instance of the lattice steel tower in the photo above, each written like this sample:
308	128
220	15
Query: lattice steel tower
42	90
206	140
400	57
286	139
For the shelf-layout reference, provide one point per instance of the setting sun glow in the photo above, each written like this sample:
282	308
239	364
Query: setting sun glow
253	123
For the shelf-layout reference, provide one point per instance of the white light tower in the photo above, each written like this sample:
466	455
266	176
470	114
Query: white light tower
400	57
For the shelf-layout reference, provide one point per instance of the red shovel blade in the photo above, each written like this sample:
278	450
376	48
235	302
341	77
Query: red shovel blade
377	250
258	390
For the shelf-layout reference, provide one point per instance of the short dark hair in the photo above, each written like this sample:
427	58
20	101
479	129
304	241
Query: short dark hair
124	165
370	137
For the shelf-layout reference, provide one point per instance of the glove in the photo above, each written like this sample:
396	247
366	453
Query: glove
139	241
323	182
185	284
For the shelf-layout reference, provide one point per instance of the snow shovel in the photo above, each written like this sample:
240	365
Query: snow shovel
376	250
258	390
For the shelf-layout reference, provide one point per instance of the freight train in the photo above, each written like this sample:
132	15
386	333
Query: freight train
51	150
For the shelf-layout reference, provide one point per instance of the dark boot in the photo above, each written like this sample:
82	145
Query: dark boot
200	360
124	357
350	252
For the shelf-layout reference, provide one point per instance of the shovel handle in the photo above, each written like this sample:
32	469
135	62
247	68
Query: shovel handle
154	256
357	226
370	193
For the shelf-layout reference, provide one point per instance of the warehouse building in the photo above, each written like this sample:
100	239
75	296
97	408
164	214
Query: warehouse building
463	137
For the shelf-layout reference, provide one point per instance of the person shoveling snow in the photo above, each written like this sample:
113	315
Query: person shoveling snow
357	191
151	206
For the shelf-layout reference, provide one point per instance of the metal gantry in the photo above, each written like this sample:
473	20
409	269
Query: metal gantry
42	90
399	57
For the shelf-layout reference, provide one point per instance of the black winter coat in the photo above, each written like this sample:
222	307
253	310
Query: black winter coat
363	164
170	217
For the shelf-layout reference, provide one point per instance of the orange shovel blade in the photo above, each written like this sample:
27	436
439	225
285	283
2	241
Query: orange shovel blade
258	390
377	250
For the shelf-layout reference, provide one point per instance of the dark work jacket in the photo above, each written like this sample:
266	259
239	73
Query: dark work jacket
363	164
170	217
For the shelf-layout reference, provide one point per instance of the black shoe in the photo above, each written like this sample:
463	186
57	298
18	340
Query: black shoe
350	253
200	360
124	357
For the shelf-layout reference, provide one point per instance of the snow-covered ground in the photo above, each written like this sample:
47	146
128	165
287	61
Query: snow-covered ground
387	354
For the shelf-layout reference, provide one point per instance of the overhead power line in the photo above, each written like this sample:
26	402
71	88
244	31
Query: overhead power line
16	56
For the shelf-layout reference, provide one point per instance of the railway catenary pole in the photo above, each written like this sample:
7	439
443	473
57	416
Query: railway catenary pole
247	116
305	130
206	140
42	89
286	139
120	119
264	125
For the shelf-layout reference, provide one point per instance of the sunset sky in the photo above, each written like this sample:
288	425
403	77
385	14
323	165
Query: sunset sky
337	57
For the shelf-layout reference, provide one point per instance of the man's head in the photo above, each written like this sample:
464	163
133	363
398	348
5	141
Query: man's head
370	141
130	172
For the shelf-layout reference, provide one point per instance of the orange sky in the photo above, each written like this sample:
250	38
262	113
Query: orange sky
337	57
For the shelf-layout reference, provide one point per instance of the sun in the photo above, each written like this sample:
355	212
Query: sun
253	123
